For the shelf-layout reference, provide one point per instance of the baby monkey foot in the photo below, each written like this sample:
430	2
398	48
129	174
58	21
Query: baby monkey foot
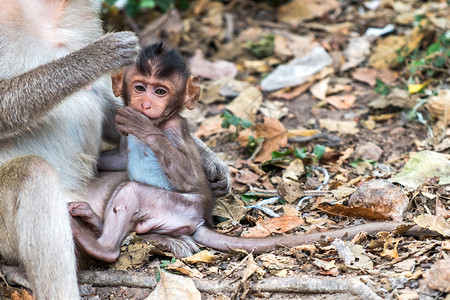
84	211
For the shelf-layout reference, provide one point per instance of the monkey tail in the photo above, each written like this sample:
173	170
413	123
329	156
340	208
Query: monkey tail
210	238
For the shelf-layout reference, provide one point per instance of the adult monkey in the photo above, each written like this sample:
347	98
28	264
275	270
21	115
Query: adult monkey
50	131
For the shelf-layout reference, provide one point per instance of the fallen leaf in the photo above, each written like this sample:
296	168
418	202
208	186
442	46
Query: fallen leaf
297	11
275	137
355	53
439	105
252	268
434	223
282	224
343	127
359	212
370	75
295	170
246	105
201	257
344	101
21	295
319	90
438	276
210	126
385	54
174	287
421	165
186	270
415	88
393	253
229	209
287	44
211	70
246	176
291	93
167	28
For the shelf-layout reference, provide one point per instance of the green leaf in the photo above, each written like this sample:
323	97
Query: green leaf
147	4
319	151
435	47
278	154
248	197
439	61
300	153
246	123
381	87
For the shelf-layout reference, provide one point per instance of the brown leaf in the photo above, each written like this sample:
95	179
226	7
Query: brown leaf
370	75
344	101
275	137
174	287
435	223
438	276
359	212
21	295
246	176
282	224
300	10
210	127
201	257
291	93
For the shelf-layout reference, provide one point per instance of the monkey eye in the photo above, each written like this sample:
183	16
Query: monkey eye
160	91
139	88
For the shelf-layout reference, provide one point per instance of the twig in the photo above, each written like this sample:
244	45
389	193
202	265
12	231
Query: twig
229	272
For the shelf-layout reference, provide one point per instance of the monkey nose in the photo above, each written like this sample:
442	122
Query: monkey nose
146	106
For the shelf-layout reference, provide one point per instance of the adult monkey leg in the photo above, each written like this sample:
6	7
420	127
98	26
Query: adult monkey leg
43	248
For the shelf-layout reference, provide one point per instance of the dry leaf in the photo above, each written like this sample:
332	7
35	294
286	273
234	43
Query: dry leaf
229	209
210	126
21	295
344	101
355	53
275	137
370	75
319	90
174	287
186	270
386	52
291	93
295	170
298	10
201	257
438	276
246	176
246	105
343	127
393	253
282	224
211	70
359	212
251	268
435	223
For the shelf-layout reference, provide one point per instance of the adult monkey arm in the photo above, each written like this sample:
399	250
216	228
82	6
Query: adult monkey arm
50	130
22	102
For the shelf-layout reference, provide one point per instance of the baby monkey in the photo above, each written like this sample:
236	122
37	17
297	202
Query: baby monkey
159	152
174	198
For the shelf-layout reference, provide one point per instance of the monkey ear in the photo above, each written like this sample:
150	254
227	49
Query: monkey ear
117	82
192	92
